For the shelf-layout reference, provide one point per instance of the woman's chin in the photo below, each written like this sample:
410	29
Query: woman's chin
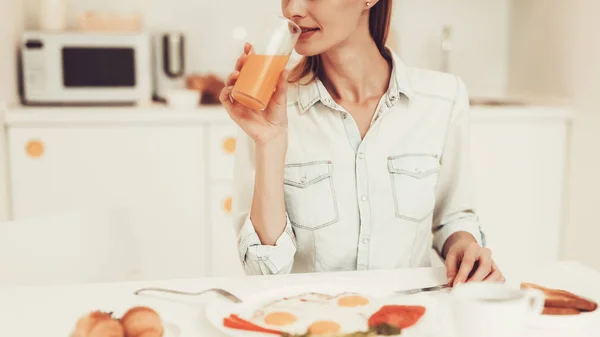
306	49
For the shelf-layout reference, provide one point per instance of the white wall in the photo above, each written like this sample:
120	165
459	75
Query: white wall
480	39
480	54
540	48
11	25
583	226
555	51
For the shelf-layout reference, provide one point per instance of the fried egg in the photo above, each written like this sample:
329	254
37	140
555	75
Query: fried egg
321	322
319	313
355	303
350	300
319	328
280	318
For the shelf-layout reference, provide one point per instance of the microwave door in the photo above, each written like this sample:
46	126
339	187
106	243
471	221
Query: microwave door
98	67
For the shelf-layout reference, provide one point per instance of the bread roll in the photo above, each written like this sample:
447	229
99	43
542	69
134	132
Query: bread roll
142	322
98	324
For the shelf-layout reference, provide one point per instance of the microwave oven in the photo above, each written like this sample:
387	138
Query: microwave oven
78	68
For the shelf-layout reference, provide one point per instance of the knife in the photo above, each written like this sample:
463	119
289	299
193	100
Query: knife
421	290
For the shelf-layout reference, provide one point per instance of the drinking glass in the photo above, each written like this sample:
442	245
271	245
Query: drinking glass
269	56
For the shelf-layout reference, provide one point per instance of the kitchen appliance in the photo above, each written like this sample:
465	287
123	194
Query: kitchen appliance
75	68
169	63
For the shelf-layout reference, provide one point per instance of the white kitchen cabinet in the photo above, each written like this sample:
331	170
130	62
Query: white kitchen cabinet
155	173
225	256
518	177
221	144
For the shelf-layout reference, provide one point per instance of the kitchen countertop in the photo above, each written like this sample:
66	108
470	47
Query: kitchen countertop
53	310
157	113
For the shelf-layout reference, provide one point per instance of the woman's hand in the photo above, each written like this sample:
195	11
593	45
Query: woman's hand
467	261
261	126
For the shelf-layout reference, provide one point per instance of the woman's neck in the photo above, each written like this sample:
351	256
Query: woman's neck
355	71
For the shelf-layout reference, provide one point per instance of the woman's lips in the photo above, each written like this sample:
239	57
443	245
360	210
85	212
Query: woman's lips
307	32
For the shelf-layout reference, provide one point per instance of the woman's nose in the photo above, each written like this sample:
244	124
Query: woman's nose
294	9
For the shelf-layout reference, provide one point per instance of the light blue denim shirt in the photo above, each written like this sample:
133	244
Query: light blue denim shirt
381	202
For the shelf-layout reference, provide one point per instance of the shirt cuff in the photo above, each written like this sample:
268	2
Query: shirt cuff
277	259
461	222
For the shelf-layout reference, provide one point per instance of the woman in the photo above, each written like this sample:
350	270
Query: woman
359	161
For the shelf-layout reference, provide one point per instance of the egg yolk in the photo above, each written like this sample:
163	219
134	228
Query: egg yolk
352	301
323	328
280	318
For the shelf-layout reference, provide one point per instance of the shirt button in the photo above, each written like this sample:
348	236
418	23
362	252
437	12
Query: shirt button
361	155
365	240
345	116
363	198
327	100
303	180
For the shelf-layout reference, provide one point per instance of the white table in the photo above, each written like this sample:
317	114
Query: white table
52	310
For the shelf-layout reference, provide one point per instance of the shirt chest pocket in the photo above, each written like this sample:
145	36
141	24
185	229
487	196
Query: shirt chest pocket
309	195
414	179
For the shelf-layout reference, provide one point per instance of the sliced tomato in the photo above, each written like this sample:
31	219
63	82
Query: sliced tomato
400	316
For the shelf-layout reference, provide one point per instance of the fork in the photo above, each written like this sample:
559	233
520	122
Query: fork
219	291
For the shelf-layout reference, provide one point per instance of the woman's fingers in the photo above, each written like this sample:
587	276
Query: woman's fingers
484	267
451	265
239	113
279	97
232	78
239	64
466	266
225	98
495	275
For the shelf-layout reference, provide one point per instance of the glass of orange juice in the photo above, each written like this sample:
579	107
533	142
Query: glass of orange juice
269	56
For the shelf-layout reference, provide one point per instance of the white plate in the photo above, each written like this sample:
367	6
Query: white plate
171	330
220	309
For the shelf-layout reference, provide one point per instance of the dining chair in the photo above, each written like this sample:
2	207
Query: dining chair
65	248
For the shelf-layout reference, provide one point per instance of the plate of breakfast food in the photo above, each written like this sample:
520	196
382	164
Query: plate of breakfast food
324	310
564	309
138	321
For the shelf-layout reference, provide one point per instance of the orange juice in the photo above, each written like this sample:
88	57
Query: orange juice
258	79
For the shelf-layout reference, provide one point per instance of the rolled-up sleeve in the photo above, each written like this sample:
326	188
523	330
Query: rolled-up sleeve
257	259
455	208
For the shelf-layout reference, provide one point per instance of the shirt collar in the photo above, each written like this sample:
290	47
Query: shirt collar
399	84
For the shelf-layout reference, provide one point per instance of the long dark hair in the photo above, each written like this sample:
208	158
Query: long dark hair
380	17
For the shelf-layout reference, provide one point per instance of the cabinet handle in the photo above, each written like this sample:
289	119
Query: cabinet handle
229	145
227	205
34	148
